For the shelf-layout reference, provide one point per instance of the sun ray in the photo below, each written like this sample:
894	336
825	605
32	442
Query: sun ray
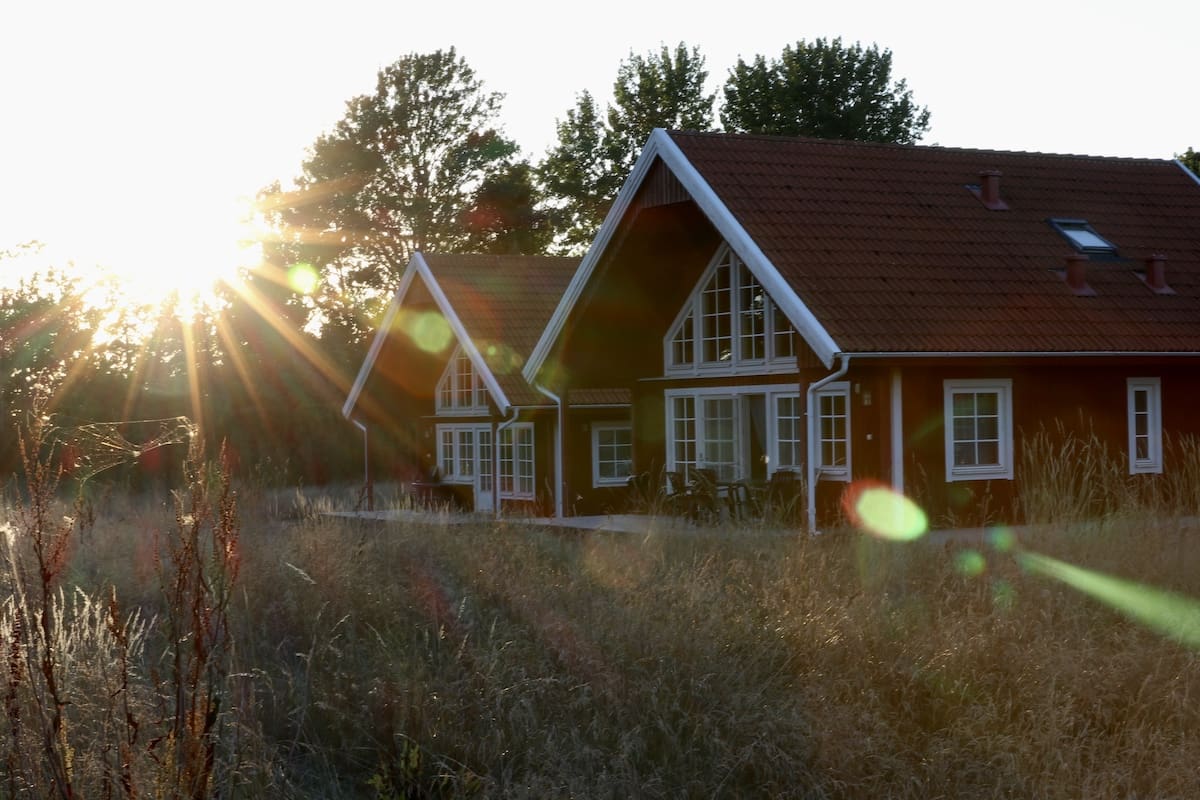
242	369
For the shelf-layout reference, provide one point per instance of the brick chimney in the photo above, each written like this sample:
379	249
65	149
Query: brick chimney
1156	273
1076	274
989	190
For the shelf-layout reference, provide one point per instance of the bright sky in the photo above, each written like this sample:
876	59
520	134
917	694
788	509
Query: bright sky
129	128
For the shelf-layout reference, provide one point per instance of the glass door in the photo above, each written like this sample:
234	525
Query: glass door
484	483
719	425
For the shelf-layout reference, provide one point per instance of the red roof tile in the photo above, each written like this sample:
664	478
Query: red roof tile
891	252
504	303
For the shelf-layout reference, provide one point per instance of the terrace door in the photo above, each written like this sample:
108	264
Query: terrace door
484	480
719	425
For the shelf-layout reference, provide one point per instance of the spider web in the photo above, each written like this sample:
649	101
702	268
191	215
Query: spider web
91	448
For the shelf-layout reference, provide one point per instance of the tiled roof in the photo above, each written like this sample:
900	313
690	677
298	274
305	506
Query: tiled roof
504	303
599	397
892	253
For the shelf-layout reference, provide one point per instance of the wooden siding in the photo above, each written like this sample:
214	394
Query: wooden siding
659	188
1077	398
582	496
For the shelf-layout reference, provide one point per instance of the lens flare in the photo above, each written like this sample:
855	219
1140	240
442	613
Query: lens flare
970	563
302	278
885	513
428	330
1002	539
1172	615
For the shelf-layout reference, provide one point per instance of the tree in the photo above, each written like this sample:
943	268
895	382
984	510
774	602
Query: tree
663	90
397	174
582	174
1191	160
504	218
826	90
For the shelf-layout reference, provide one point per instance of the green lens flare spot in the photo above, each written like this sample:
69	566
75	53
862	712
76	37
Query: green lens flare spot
970	563
890	515
429	331
302	278
1002	539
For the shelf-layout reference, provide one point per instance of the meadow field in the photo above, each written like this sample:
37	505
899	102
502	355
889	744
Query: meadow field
230	643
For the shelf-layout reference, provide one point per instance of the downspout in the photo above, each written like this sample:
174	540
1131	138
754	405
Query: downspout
366	466
811	413
513	413
558	448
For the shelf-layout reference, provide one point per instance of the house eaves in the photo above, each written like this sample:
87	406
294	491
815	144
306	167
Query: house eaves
417	267
661	146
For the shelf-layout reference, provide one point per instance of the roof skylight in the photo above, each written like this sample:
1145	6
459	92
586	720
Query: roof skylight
1083	236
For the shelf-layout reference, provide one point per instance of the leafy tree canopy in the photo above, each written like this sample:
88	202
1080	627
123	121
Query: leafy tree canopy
582	174
823	89
406	167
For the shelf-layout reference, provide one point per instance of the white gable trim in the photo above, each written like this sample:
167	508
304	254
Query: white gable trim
380	337
1187	171
660	145
735	235
418	267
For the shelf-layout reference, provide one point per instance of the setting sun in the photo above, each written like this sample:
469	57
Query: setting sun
186	260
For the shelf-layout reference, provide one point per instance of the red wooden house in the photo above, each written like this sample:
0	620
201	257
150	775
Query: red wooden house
910	315
442	386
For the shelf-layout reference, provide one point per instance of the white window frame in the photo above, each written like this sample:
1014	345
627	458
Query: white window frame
1153	462
599	428
450	388
835	472
1002	388
771	391
775	460
776	329
452	469
515	471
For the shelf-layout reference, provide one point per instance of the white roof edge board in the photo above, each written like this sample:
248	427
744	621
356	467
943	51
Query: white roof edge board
381	335
660	145
575	288
460	332
418	266
735	235
1187	171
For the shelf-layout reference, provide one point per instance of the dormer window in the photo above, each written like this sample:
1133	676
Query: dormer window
460	390
1083	237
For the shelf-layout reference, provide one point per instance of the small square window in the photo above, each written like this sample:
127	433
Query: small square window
612	454
978	426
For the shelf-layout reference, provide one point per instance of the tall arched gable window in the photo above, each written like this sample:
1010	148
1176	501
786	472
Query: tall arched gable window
729	324
460	390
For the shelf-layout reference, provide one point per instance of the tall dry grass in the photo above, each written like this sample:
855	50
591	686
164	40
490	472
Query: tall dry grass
501	661
102	698
1068	477
496	659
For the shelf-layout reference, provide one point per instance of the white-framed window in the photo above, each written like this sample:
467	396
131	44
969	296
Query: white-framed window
516	461
612	453
832	449
1145	425
732	430
978	424
459	390
729	324
457	457
789	432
